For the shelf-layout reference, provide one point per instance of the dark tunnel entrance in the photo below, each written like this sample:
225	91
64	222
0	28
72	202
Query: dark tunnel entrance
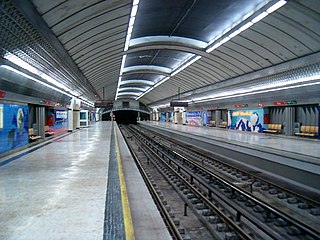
126	117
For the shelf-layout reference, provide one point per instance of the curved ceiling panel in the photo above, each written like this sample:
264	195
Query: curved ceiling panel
83	44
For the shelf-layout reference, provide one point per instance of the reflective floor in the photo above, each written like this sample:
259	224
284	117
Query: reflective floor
57	191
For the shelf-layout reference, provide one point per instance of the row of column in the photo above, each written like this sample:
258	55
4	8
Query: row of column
73	120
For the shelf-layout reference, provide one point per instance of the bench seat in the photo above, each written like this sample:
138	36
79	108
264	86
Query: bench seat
273	128
308	131
32	136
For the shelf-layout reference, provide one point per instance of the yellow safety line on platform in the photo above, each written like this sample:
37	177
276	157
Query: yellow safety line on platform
128	226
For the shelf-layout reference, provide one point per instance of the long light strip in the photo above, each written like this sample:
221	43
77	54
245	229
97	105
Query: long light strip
174	72
43	83
133	14
259	92
247	25
258	18
156	85
185	66
263	87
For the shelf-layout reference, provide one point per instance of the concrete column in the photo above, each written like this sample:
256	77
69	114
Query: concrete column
184	118
157	116
76	119
70	120
289	116
138	116
218	117
40	115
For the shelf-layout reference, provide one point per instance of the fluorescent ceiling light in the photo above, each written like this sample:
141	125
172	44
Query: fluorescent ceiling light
34	79
218	44
157	84
185	65
276	6
128	93
226	39
131	22
246	26
134	10
137	81
235	33
259	17
130	30
261	88
124	57
141	89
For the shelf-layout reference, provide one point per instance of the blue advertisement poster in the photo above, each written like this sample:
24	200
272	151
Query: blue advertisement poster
13	126
61	118
246	120
162	117
194	118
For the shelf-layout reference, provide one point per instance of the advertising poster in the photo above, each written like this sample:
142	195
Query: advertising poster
162	117
13	126
61	118
194	118
246	120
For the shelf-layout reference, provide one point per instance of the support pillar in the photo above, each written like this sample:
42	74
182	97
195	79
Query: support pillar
76	119
70	120
290	117
218	117
40	115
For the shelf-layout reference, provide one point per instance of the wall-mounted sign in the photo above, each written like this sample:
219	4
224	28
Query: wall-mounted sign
241	105
2	94
281	103
104	104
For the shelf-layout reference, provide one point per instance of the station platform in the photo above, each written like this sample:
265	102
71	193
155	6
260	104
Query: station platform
80	185
298	145
287	158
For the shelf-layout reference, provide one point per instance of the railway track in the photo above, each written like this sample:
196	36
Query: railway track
232	203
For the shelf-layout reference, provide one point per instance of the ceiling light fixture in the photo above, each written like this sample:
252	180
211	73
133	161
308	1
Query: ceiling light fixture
256	19
156	85
176	71
133	14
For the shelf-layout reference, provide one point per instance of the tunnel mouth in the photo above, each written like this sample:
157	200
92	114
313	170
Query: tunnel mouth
126	117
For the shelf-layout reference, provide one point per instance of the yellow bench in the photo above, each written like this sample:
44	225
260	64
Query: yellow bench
32	136
308	131
273	128
47	131
223	125
212	123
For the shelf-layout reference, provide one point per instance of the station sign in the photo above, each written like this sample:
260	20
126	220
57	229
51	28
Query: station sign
103	104
2	94
178	103
241	105
281	103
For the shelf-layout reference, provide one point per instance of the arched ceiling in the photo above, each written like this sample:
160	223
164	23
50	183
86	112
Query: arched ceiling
185	44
